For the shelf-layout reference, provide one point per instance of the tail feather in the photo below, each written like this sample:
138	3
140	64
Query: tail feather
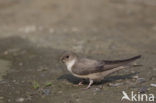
123	61
117	63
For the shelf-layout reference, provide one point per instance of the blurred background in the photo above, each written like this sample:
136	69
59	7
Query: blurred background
34	34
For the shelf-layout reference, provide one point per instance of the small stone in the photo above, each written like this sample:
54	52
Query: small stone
101	87
20	64
20	99
97	89
42	69
9	100
28	29
3	82
135	64
154	69
77	99
22	81
75	29
153	85
115	84
6	52
60	92
136	77
1	98
14	81
46	91
142	89
154	27
140	80
132	71
51	30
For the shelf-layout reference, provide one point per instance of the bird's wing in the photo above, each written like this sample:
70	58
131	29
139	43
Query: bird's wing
88	66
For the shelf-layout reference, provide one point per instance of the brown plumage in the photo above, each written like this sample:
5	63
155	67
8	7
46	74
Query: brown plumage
87	66
93	69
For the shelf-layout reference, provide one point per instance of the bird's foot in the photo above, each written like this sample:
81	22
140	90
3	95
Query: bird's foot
90	83
80	83
86	88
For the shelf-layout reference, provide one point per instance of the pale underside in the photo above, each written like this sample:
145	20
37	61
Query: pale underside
99	75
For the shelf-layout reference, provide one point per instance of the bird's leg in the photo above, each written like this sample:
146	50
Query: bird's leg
81	82
90	83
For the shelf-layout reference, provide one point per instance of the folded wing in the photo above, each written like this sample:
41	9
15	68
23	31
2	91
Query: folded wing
88	66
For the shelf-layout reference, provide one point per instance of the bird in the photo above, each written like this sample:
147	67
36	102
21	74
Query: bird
91	69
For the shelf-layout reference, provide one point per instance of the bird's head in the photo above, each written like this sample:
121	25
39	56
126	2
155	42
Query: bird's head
68	57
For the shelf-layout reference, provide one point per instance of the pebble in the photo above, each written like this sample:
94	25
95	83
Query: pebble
154	27
42	69
140	80
153	85
20	64
1	98
46	91
154	69
77	100
9	100
20	99
28	29
14	81
6	52
75	29
60	92
51	30
115	84
3	82
136	77
97	89
142	89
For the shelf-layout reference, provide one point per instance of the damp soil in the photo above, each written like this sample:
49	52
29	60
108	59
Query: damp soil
34	34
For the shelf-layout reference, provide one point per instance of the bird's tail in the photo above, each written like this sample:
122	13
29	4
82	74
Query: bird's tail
124	60
117	63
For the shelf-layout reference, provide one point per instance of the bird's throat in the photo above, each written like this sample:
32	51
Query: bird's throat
70	65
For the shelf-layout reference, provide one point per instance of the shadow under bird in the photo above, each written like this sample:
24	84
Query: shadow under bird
93	69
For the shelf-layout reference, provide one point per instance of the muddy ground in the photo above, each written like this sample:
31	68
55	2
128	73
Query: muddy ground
35	33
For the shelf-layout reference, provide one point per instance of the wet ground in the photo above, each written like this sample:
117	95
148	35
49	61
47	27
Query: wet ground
35	33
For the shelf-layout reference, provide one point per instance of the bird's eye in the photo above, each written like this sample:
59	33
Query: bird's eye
67	56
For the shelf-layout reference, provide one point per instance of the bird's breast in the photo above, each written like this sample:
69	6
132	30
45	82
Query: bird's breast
70	65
